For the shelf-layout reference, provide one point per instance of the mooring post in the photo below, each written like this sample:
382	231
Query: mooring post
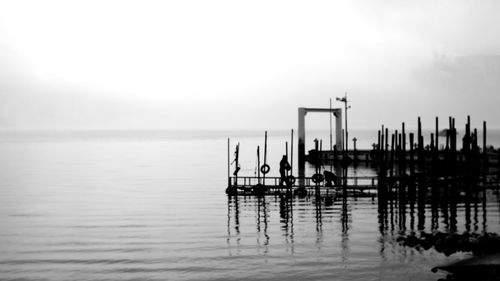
386	143
286	154
433	165
228	162
437	133
236	163
354	140
476	157
498	167
378	142
400	154
395	148
258	164
291	153
391	163
382	147
420	141
412	162
403	132
265	158
485	155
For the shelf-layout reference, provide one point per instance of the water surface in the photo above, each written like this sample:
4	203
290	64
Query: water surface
151	206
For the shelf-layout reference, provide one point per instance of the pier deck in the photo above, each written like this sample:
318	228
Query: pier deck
356	186
250	185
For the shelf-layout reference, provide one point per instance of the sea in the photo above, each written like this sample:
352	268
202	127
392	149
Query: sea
151	205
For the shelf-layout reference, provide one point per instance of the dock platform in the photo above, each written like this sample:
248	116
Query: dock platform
362	186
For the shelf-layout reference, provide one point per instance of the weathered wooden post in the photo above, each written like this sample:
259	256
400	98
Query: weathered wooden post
258	164
412	160
391	163
420	140
228	162
437	133
386	141
354	140
265	160
404	148
382	150
485	154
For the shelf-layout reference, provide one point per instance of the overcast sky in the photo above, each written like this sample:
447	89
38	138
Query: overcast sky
246	64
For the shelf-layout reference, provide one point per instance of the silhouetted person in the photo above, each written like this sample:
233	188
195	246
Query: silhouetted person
330	178
284	166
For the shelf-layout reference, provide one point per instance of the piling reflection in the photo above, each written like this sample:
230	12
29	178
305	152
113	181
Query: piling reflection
321	210
416	214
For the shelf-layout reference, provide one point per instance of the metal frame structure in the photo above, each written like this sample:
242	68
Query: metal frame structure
337	112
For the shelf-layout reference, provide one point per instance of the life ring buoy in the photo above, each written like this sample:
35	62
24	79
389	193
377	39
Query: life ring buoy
291	179
317	178
265	169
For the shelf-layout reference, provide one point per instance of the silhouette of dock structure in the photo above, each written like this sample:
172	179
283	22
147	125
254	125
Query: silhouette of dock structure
397	157
355	186
414	180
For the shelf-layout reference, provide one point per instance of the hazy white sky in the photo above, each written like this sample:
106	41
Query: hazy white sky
246	64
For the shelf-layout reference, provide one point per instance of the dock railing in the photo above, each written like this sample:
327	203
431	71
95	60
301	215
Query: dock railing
358	182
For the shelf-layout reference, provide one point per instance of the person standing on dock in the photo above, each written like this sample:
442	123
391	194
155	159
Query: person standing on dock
284	167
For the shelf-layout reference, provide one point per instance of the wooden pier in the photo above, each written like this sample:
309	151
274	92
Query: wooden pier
399	160
361	186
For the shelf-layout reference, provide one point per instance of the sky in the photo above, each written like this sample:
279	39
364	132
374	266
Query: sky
246	64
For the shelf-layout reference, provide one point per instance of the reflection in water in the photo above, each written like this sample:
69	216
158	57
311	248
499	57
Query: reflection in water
262	219
425	210
345	228
286	215
441	210
325	208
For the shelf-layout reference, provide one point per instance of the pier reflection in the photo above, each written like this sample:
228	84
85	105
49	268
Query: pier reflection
413	217
317	215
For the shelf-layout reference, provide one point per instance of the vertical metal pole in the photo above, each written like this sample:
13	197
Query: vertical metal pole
265	157
258	164
331	145
228	162
437	134
291	153
484	142
346	132
236	163
265	148
286	154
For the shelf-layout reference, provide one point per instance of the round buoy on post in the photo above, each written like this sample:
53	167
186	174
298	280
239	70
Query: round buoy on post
265	169
317	178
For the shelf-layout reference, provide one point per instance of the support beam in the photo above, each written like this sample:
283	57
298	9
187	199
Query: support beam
302	136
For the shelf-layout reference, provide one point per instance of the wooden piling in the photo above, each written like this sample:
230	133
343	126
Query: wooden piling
387	141
412	160
437	133
228	162
258	164
485	156
382	150
265	158
403	163
391	163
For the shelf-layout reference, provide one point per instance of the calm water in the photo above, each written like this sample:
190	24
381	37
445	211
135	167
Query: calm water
151	206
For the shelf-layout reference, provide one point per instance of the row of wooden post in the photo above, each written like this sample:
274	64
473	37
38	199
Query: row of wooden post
392	151
453	175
